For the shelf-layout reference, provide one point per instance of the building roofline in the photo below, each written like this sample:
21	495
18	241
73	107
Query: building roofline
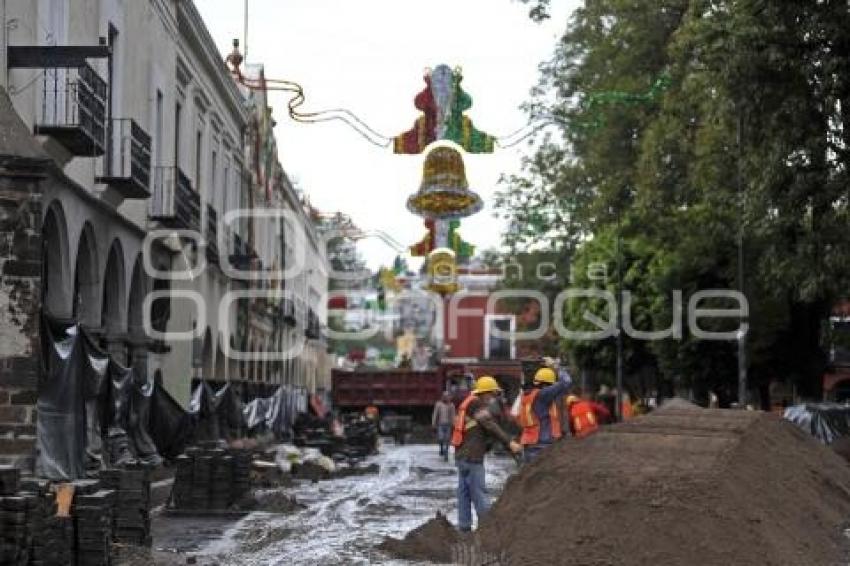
192	25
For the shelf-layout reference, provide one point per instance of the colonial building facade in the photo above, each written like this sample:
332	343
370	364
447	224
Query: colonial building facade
136	180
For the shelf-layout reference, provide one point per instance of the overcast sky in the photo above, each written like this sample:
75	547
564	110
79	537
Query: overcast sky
368	56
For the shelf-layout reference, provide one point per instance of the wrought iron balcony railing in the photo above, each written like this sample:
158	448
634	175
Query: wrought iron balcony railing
313	328
174	203
287	311
73	109
243	255
126	165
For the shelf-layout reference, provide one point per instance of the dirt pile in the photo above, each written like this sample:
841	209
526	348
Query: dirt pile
432	541
678	487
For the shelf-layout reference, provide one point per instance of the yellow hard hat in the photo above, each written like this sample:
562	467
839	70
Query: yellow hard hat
572	399
545	375
486	384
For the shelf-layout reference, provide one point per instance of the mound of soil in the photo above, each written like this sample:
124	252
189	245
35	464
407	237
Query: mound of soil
433	541
678	403
681	486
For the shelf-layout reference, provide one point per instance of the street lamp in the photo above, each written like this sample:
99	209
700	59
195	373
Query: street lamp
742	334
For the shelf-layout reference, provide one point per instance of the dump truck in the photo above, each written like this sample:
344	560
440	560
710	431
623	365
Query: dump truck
405	398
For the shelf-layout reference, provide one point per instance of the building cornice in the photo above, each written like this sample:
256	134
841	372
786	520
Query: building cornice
193	28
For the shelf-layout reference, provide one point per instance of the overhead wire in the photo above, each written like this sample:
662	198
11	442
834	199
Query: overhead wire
592	105
298	99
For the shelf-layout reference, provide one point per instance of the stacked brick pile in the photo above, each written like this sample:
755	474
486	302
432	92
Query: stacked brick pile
30	532
211	478
93	521
131	523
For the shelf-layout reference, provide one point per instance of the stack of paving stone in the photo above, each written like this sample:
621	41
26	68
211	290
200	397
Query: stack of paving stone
131	517
211	478
93	518
10	478
182	490
15	538
53	543
241	473
221	480
201	481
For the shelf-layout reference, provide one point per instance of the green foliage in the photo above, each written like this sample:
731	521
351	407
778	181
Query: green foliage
747	142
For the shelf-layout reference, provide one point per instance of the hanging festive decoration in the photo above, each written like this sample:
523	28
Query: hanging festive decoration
442	271
444	192
387	278
452	239
443	103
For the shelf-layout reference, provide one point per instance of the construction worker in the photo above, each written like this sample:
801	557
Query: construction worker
627	410
585	416
539	413
474	429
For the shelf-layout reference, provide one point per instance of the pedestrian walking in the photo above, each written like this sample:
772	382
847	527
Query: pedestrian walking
442	419
474	430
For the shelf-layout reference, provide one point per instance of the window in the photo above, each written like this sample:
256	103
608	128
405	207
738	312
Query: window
199	139
213	187
225	177
158	128
114	63
178	117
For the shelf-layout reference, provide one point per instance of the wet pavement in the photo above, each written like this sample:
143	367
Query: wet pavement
344	518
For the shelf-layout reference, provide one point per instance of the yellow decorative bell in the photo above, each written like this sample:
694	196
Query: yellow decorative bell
444	192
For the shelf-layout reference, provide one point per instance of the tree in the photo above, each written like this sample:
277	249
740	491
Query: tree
746	144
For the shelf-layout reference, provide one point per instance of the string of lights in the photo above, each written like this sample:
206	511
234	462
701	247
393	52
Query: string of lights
591	106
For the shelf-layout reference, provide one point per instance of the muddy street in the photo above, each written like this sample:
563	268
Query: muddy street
343	519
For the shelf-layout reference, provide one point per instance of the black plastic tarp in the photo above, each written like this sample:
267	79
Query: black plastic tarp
825	421
203	408
170	426
61	417
229	409
139	421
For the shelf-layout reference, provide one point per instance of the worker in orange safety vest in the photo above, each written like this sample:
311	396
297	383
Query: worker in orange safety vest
539	413
585	416
476	427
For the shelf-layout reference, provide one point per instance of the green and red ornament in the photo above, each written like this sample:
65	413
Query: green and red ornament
443	103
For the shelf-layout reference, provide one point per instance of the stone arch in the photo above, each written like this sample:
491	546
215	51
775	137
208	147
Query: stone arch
232	364
137	353
85	296
207	356
221	360
55	298
138	291
113	314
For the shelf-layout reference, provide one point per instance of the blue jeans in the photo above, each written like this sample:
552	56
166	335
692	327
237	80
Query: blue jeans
529	453
444	431
471	490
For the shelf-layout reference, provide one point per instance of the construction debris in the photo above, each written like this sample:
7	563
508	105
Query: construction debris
432	541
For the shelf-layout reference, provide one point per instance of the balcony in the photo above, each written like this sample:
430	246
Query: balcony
73	109
287	311
313	329
174	203
127	161
212	234
242	256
